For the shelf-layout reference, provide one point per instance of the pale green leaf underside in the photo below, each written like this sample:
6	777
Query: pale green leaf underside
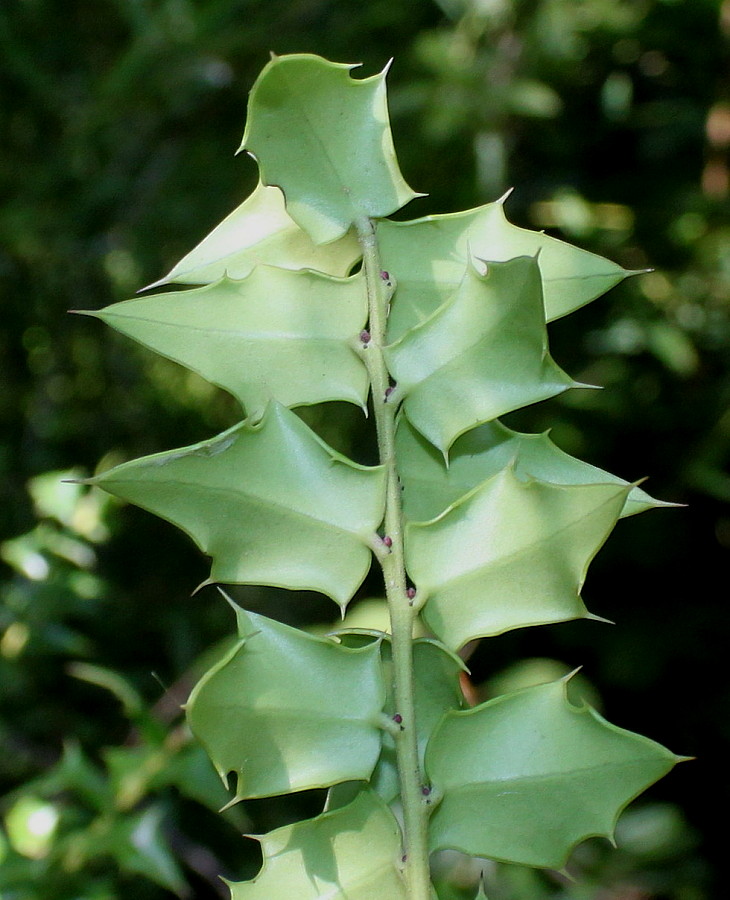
324	138
286	711
527	776
430	487
276	334
351	853
428	257
509	555
270	503
261	232
480	355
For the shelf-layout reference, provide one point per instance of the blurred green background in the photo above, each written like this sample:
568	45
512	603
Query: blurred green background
611	119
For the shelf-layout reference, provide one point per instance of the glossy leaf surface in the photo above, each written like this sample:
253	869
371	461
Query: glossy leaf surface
428	257
260	232
270	503
527	776
286	711
350	853
324	138
276	334
509	555
429	486
480	355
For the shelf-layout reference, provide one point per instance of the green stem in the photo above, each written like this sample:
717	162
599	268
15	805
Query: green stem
392	561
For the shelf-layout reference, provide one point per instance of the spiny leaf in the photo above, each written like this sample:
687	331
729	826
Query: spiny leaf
270	503
275	334
261	232
527	776
480	355
324	139
347	854
429	486
287	711
428	256
508	555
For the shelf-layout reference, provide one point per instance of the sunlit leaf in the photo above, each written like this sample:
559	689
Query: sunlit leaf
324	138
428	257
286	711
30	824
275	334
270	503
430	486
506	532
527	776
508	555
480	355
351	853
261	232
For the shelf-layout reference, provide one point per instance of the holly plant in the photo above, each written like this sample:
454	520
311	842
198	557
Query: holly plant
435	328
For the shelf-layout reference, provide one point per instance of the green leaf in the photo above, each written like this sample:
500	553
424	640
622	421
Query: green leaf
508	555
261	232
428	257
480	355
430	487
271	503
527	776
137	842
276	334
74	773
325	140
347	854
287	711
436	690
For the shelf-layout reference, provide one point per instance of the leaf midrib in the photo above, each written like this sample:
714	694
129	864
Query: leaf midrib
253	499
551	775
242	335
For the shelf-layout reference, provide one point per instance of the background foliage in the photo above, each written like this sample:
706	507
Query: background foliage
120	117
